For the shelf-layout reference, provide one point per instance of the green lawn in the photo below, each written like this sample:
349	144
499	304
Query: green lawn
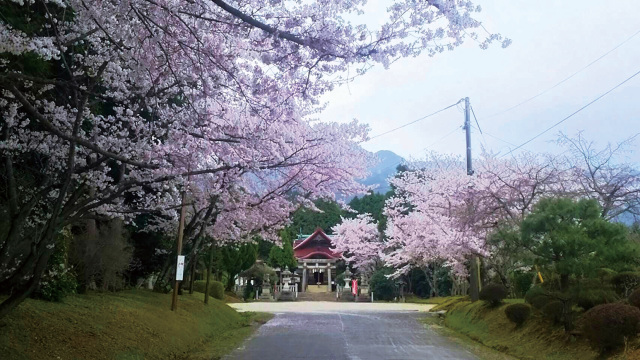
133	324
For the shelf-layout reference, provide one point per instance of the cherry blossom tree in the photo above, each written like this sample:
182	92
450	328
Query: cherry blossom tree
108	107
360	242
431	221
604	175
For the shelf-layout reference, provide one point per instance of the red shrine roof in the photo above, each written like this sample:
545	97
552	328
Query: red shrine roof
317	245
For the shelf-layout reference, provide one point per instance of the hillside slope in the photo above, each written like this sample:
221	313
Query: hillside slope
134	324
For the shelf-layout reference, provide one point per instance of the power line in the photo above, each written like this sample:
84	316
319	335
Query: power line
567	78
414	121
427	147
474	116
484	140
572	114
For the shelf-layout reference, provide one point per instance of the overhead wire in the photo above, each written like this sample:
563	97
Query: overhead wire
572	114
567	78
427	147
413	122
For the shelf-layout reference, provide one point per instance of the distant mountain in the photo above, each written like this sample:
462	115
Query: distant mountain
386	167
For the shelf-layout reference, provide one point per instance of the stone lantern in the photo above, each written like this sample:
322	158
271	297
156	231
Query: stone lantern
347	279
286	279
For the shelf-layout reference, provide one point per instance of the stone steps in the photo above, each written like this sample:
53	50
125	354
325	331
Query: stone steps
316	296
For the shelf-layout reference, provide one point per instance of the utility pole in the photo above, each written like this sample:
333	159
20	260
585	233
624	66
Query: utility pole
474	283
178	278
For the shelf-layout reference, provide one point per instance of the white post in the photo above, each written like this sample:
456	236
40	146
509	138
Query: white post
372	296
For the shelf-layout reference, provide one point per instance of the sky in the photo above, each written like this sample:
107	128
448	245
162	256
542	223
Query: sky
551	41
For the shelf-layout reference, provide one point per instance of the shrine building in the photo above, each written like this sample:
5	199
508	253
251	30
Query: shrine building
316	261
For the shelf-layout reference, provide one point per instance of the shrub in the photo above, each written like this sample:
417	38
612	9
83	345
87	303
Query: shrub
634	298
537	297
608	325
554	311
216	288
589	297
493	294
101	254
58	280
247	293
625	282
57	284
518	313
606	274
521	282
382	287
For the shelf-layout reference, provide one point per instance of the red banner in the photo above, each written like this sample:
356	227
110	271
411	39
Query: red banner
354	287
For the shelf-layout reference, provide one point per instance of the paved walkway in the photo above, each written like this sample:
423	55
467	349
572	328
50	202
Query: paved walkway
327	306
348	335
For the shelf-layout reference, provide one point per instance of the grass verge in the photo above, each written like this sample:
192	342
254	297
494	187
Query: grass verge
432	300
133	324
537	339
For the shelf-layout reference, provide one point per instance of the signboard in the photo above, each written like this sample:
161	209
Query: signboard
180	268
354	286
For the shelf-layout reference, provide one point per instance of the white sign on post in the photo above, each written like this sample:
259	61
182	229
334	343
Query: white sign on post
180	268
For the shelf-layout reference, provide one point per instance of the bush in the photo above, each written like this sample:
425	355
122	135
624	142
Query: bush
521	282
518	313
625	282
589	297
606	274
634	298
216	288
58	280
607	326
554	311
537	297
248	293
101	254
493	294
382	287
57	284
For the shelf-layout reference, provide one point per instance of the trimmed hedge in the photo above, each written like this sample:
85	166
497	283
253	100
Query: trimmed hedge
493	294
590	297
537	297
216	288
518	313
607	326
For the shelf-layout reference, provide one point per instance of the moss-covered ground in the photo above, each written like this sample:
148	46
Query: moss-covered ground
133	324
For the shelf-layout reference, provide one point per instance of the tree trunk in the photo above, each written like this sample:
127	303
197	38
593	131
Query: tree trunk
206	288
435	282
564	283
192	276
230	281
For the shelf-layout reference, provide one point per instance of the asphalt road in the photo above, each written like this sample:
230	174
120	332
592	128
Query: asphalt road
394	335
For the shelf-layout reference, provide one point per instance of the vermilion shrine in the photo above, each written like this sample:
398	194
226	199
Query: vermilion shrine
316	261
